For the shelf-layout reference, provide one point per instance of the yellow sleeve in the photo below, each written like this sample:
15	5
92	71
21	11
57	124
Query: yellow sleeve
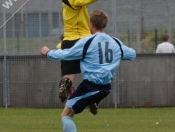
81	2
58	46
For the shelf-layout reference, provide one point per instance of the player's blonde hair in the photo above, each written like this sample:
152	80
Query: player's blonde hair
99	19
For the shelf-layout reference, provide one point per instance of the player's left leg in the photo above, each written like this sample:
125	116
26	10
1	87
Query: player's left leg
66	118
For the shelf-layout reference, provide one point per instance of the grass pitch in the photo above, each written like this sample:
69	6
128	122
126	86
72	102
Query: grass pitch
107	120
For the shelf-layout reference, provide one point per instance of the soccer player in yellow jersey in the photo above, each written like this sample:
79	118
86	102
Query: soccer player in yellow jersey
76	26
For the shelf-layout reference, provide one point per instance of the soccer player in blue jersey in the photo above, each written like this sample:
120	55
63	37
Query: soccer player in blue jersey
76	26
100	56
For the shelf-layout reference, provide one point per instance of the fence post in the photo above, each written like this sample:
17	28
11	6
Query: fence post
156	39
114	18
26	32
129	38
138	40
5	90
115	86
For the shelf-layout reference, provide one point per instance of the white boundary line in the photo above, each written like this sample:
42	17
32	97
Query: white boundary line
14	14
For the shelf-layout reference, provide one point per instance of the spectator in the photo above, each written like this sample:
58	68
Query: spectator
165	46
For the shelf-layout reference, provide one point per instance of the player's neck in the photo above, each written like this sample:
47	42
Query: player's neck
100	31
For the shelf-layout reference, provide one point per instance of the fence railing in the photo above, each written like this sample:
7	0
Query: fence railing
32	81
139	24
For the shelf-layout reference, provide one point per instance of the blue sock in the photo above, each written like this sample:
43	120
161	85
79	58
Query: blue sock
68	124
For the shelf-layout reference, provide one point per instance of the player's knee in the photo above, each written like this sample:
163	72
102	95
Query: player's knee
67	112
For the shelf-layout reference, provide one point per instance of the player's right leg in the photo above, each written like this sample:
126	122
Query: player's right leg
93	108
87	94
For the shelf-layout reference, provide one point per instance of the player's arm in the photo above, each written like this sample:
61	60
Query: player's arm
128	53
79	3
72	53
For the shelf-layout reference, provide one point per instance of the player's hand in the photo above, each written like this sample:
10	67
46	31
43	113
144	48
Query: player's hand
44	50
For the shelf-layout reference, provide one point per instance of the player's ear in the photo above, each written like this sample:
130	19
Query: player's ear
91	25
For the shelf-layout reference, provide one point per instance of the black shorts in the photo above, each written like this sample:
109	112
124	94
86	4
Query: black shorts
87	93
69	67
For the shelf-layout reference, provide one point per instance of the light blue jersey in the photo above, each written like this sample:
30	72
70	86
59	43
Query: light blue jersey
99	55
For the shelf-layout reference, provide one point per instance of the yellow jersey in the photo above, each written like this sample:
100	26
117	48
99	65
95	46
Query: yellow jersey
76	19
58	46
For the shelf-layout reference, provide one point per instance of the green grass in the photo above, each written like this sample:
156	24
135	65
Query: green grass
107	120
